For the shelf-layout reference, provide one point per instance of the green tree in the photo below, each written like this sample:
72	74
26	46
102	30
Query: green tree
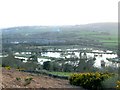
47	65
33	58
85	64
56	66
68	68
11	61
30	66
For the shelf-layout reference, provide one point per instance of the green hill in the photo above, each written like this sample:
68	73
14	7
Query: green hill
96	35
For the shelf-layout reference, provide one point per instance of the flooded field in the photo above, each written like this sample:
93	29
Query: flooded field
70	53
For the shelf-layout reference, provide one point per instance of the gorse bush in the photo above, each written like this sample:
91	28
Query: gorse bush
7	67
118	85
89	80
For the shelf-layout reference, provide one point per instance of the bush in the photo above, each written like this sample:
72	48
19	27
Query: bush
18	79
27	81
20	69
110	82
118	85
89	80
7	67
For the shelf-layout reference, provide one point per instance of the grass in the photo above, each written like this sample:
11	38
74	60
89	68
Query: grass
110	41
61	73
110	44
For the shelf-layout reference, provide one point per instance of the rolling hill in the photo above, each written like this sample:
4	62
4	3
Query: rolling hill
96	35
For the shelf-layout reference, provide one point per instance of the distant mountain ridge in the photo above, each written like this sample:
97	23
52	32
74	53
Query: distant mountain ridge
94	25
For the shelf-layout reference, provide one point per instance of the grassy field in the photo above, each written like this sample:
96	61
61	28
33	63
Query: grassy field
61	73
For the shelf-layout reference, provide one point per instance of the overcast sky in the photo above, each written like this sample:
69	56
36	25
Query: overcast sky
56	12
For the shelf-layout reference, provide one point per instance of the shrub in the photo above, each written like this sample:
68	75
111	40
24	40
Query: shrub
27	81
18	79
110	82
118	85
89	80
20	69
7	67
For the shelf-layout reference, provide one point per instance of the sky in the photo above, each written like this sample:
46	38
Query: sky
56	12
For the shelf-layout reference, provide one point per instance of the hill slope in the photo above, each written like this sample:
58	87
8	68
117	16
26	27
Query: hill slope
10	80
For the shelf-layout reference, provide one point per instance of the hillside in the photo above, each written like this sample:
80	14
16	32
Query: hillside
10	79
95	35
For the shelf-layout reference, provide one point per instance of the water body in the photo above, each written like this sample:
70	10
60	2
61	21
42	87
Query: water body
99	56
